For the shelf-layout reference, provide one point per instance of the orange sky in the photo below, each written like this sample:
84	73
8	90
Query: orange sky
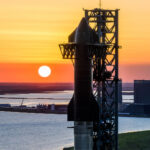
29	73
30	31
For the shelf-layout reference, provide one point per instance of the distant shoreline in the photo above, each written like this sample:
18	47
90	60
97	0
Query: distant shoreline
30	110
25	88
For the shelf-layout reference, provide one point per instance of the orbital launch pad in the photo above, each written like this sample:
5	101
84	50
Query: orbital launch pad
93	48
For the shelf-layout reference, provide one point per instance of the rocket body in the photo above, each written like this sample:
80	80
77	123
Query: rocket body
83	106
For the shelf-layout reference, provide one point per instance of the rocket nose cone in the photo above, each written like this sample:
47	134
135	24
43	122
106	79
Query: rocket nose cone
83	32
83	25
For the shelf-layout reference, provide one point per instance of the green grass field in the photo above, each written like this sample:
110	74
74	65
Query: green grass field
135	141
132	141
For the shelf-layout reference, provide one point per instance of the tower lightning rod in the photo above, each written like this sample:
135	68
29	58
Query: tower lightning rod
100	4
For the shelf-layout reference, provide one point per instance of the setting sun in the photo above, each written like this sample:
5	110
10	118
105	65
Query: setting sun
44	71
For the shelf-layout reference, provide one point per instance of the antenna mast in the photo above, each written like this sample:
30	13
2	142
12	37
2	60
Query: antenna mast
100	4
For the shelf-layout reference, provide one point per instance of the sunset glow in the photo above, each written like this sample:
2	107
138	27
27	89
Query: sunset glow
29	73
32	29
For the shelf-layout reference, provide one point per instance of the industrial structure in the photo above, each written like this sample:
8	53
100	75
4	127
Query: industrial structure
139	106
142	91
93	48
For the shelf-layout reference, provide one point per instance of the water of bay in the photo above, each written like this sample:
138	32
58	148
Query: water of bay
24	131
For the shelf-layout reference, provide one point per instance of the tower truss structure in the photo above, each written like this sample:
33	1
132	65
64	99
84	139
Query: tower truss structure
105	23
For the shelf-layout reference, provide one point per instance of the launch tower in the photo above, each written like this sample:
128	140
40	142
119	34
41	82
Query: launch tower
104	56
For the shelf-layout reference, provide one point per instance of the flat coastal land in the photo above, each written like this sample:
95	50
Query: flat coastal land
132	141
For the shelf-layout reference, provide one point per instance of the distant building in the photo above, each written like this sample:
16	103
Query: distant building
52	107
142	91
5	105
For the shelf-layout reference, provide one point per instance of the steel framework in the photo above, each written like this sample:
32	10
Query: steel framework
105	23
105	74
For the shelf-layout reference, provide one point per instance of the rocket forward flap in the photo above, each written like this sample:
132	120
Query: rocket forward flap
71	37
84	28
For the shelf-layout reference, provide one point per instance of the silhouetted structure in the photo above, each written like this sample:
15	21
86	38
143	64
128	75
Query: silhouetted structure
142	91
94	46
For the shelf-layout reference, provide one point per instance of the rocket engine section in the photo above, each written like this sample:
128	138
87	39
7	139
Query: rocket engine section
83	106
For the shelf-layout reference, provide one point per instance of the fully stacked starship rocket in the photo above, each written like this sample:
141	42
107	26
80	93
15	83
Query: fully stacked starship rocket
83	108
